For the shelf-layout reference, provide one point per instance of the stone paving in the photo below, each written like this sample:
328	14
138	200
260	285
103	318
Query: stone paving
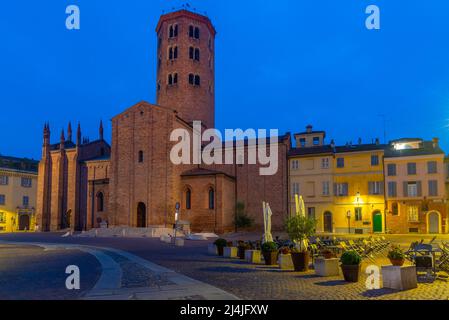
244	280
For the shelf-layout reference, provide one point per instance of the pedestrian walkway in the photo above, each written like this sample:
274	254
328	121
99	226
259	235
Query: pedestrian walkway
126	276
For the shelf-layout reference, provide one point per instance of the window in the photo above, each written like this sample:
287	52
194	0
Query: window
197	33
431	167
392	189
140	156
340	162
194	32
302	142
413	214
412	189
197	80
295	189
341	189
191	79
2	217
197	54
188	199
25	201
395	209
100	202
391	169
316	141
358	214
325	163
374	160
2	199
191	53
433	188
375	187
27	182
326	188
173	31
295	164
411	168
211	199
4	180
173	53
311	213
172	79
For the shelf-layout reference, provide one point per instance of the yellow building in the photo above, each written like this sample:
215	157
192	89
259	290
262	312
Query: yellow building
359	197
18	188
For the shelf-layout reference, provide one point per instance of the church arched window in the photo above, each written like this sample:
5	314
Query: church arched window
140	156
188	199
211	198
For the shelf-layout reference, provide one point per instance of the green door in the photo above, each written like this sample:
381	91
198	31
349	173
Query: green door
377	221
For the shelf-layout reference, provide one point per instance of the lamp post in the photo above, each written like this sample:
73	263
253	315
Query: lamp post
348	215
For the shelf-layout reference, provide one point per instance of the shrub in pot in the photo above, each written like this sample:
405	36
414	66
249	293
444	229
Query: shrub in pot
220	243
270	253
351	265
300	229
396	256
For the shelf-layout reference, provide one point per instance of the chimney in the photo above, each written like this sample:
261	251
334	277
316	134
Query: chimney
332	143
435	142
309	128
377	141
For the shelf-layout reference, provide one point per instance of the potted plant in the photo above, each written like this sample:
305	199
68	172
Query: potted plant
396	256
270	253
220	243
300	229
351	265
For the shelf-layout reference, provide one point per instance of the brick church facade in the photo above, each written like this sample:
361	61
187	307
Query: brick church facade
133	182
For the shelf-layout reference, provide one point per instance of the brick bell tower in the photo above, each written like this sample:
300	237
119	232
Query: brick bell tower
185	66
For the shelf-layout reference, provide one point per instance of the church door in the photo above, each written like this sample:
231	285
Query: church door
141	215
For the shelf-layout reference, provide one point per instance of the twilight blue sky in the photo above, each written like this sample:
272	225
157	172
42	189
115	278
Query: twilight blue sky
279	64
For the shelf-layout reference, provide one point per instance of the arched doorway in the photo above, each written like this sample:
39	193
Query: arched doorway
327	222
433	222
24	222
141	215
377	222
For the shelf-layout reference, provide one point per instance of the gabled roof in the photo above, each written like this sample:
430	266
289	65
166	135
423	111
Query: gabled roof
203	172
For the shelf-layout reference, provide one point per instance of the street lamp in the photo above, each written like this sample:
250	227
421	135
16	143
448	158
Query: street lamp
348	215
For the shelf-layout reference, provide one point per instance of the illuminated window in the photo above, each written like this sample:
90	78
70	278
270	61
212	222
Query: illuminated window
413	214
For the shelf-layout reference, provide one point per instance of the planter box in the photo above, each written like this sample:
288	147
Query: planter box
230	252
286	262
327	267
399	278
253	256
212	249
179	242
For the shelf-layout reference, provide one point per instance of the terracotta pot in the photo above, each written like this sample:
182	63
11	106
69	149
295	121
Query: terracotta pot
351	273
300	261
270	258
220	250
397	262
